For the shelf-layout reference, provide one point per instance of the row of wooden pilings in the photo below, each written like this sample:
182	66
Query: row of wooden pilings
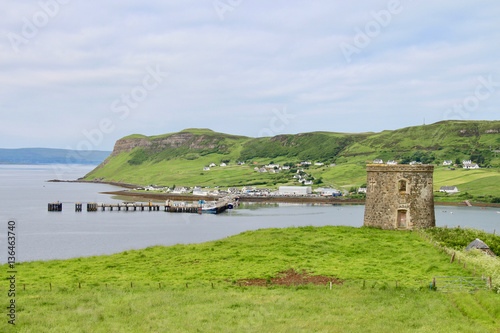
94	207
55	207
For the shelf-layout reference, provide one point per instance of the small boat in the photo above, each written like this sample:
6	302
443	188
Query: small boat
209	209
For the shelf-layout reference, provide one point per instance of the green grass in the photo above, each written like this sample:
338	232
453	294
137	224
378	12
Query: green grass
475	182
342	252
255	309
211	302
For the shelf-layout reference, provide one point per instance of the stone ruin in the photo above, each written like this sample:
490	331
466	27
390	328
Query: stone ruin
399	196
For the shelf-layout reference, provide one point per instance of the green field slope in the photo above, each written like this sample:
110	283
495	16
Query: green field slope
179	158
197	287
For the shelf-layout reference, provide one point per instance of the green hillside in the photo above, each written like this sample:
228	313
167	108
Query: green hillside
385	279
179	158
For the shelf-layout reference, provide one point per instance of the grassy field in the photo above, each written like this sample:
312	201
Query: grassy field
478	182
255	309
200	288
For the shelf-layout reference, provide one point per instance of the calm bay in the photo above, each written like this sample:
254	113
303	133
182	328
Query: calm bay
43	235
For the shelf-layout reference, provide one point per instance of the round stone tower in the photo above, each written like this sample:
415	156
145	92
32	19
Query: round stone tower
399	196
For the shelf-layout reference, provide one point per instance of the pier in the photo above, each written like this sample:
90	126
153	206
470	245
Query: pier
55	207
171	207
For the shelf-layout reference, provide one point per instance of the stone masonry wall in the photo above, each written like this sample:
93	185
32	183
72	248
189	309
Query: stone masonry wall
385	202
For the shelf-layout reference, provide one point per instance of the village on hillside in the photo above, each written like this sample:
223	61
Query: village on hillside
305	182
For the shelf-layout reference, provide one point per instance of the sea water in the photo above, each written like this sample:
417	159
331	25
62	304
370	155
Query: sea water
43	235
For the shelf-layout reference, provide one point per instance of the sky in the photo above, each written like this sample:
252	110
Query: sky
83	74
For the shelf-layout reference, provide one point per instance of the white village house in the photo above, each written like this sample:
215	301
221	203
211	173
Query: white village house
449	189
448	163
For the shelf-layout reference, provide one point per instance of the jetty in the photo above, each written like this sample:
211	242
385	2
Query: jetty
169	206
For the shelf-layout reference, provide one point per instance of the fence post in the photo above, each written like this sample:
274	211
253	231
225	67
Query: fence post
79	285
489	282
50	285
434	282
330	285
452	258
159	285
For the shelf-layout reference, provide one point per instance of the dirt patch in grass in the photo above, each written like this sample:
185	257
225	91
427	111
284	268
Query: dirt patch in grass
291	278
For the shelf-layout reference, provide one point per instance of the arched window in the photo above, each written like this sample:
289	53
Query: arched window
403	186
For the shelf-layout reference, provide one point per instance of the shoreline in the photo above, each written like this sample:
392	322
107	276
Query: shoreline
243	198
270	199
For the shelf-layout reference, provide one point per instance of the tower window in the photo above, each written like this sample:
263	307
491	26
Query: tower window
403	186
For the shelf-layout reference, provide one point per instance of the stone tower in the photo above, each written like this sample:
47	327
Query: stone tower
399	196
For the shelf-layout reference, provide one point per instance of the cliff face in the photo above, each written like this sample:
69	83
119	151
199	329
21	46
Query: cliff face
177	140
127	145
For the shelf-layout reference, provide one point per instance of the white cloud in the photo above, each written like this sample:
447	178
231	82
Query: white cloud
229	74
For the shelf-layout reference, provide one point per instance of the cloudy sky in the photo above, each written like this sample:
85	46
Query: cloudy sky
82	74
